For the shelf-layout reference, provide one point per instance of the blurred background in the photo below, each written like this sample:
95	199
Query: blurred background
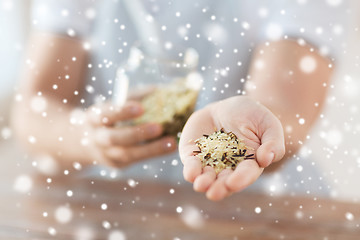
333	143
333	146
14	28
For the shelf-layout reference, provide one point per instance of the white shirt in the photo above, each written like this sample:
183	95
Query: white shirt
224	33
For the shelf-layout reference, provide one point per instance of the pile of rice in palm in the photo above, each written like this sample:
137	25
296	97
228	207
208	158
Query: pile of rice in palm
222	150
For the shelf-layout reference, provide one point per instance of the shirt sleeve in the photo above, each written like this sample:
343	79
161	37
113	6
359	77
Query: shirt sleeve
66	17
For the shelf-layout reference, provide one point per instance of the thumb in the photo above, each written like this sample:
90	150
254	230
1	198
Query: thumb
108	114
272	148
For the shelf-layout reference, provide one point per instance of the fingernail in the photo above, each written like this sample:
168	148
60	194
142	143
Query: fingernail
270	158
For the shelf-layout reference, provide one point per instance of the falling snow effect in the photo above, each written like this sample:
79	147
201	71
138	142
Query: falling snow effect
46	165
69	193
104	206
6	133
52	231
38	104
106	225
307	64
257	210
117	235
218	43
192	217
63	214
84	233
23	184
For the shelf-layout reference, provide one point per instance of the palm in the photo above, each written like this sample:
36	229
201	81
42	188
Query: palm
250	122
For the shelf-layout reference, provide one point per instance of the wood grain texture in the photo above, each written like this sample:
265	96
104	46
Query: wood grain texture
149	211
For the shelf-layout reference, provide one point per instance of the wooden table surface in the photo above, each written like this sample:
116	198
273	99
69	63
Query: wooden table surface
114	210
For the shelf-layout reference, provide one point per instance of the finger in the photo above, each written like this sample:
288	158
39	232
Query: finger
192	168
120	156
270	152
156	148
186	150
109	114
116	157
127	136
198	124
244	175
218	190
272	146
204	181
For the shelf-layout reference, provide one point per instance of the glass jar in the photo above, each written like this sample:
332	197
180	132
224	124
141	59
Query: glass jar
167	89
